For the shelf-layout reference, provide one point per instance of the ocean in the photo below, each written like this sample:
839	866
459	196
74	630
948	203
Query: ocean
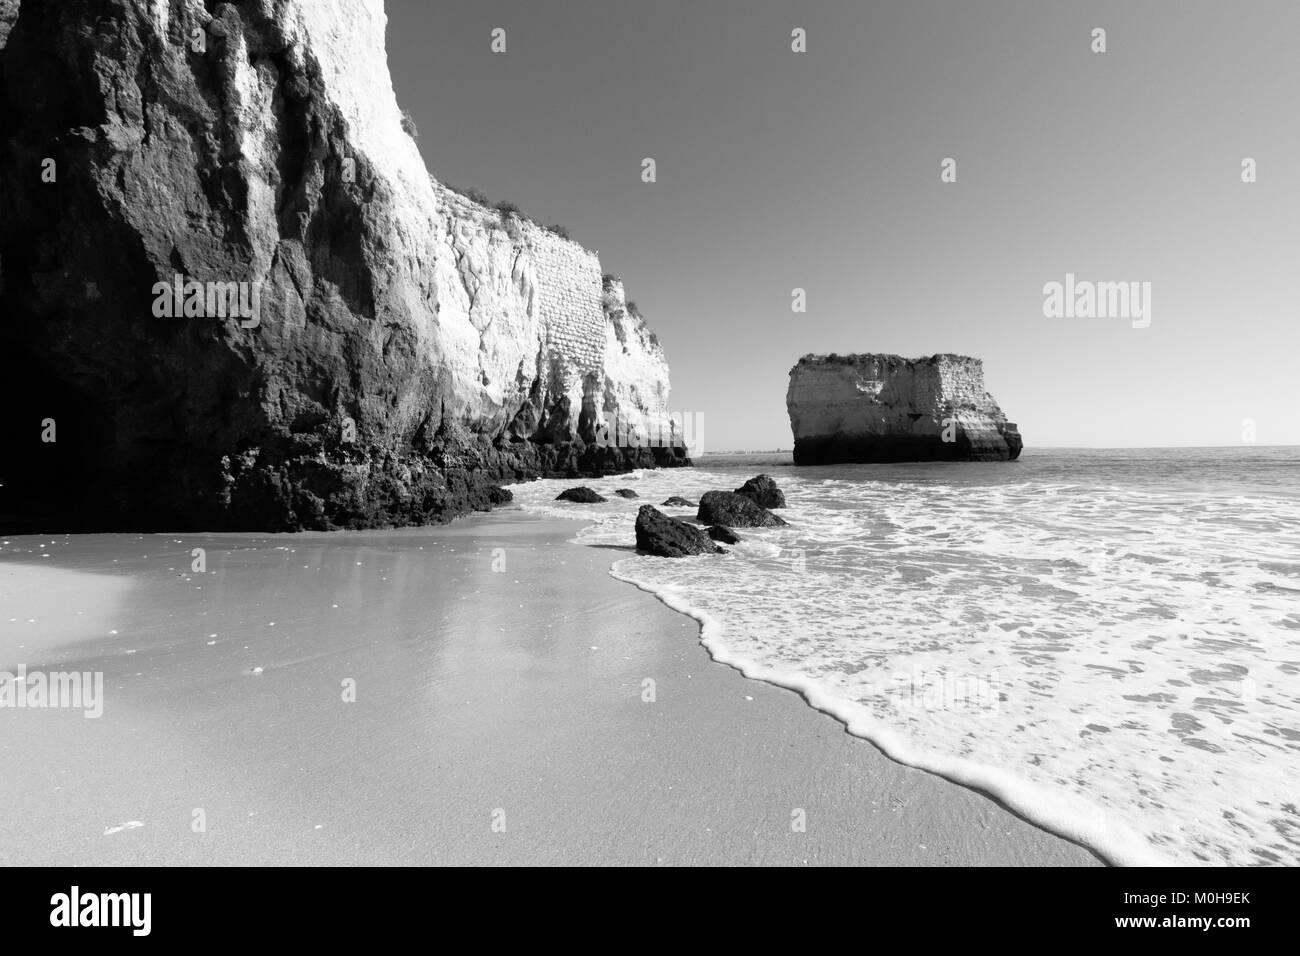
1106	641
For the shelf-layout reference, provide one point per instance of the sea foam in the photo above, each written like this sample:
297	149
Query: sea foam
1116	661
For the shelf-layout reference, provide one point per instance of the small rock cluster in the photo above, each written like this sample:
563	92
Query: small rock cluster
718	512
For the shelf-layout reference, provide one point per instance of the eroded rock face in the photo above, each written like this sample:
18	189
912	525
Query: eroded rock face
658	534
635	389
735	511
409	349
882	408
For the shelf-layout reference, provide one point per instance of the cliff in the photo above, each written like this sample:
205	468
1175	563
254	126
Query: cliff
881	408
350	343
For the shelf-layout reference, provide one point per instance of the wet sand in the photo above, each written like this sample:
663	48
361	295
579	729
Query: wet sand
501	716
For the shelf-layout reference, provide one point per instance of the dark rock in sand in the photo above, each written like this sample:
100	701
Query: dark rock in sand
724	534
677	501
763	492
626	493
658	534
735	511
583	496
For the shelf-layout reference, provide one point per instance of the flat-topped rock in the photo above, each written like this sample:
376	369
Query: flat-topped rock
883	408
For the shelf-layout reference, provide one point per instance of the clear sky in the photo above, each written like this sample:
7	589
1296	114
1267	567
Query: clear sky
821	170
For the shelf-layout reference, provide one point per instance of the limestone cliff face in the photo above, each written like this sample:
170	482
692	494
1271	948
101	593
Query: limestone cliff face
407	348
880	408
635	393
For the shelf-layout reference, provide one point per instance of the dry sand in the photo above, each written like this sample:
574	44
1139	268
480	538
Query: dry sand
499	716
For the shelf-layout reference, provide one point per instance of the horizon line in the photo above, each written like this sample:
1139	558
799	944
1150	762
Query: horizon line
759	451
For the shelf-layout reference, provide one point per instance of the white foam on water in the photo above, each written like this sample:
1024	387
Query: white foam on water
1119	665
129	825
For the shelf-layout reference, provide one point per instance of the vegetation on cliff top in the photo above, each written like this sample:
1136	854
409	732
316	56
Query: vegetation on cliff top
856	358
507	210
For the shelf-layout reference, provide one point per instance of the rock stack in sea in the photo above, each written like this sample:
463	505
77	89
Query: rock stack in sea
883	408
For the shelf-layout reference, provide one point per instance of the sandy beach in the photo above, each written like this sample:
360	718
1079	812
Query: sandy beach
500	716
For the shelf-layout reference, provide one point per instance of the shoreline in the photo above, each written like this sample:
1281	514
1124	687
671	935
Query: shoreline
1008	792
883	739
529	701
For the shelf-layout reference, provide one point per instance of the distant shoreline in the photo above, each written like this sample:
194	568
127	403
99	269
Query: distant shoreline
1029	449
